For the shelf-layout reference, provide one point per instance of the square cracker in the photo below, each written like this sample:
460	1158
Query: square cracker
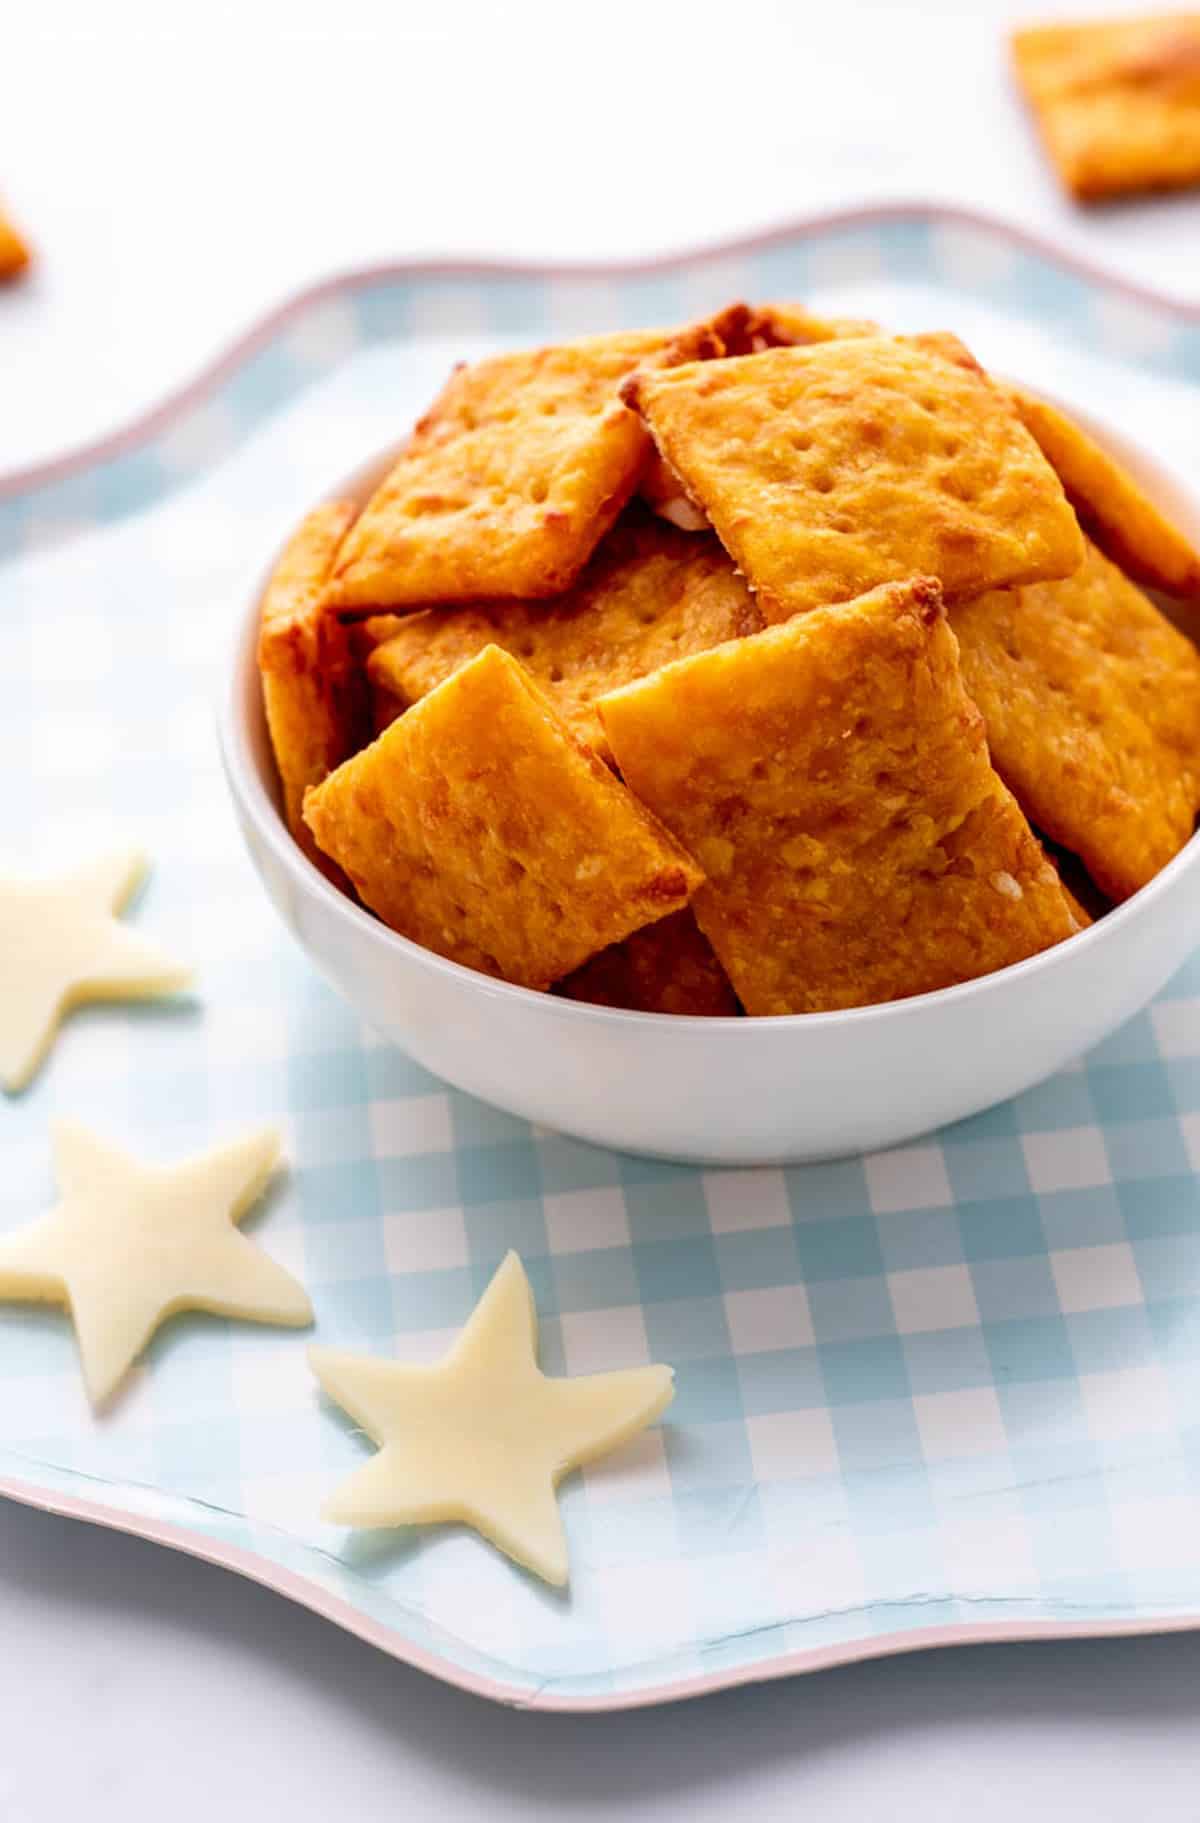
1123	520
764	326
650	594
1092	704
1117	102
669	967
480	827
830	469
832	778
311	687
514	474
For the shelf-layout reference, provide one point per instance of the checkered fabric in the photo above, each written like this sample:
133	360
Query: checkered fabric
952	1383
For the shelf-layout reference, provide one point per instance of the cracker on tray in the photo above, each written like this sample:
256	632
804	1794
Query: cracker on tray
1117	102
481	828
513	475
1123	520
14	249
1092	704
650	594
831	776
310	684
829	469
669	967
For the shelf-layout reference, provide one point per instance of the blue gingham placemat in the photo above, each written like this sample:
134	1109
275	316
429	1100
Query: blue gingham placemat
952	1386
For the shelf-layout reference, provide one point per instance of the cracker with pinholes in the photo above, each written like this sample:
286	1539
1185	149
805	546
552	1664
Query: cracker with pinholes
649	595
763	326
669	967
513	476
1092	704
312	690
1123	520
831	776
830	469
1117	102
481	828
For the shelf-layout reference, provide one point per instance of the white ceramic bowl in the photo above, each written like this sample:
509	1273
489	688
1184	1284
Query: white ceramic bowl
717	1091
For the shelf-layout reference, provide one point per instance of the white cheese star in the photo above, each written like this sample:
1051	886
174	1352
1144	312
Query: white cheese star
482	1435
60	944
130	1244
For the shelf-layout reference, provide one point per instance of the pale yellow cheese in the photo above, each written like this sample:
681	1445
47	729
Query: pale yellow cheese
61	943
483	1436
129	1244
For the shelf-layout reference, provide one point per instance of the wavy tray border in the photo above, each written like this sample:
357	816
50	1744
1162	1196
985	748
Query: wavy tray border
142	430
19	488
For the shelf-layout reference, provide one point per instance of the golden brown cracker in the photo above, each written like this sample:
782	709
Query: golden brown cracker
365	635
384	706
311	690
761	326
669	967
1123	520
830	469
783	325
1092	704
649	595
832	778
514	474
480	827
1117	102
14	249
945	343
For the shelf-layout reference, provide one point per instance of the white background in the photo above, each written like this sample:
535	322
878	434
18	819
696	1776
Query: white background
182	170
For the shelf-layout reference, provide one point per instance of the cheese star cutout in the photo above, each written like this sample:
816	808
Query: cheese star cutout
483	1435
130	1244
60	943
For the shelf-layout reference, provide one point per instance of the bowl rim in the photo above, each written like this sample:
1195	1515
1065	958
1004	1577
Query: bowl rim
259	804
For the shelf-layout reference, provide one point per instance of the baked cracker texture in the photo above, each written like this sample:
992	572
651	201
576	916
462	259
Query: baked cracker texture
311	687
1092	704
831	776
1123	520
669	967
649	595
481	828
514	474
830	469
764	326
1117	102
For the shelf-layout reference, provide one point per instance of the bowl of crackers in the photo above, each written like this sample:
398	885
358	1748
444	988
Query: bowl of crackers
755	741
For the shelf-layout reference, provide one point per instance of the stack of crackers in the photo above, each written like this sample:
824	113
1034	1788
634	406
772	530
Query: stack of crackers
770	665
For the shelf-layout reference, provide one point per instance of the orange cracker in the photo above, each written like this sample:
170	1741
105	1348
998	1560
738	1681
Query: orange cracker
309	691
480	827
364	636
783	325
1117	102
650	594
1092	704
14	250
830	469
669	967
832	778
764	326
1125	523
513	476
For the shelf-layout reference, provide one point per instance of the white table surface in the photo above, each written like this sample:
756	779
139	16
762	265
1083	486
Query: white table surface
181	172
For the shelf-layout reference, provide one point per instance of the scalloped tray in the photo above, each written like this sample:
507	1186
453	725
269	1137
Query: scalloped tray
943	1394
